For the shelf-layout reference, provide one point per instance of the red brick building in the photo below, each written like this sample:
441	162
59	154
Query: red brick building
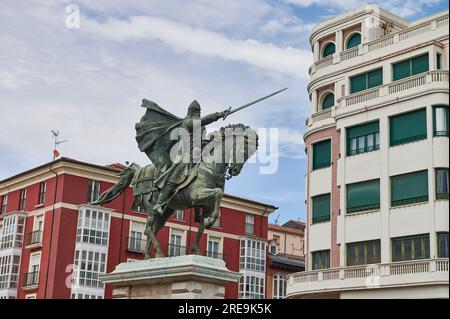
54	245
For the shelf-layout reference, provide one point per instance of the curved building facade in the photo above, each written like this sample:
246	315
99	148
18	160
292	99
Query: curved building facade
377	144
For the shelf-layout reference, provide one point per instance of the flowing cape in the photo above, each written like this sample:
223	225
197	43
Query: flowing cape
153	134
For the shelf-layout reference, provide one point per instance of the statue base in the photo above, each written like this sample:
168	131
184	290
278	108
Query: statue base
180	277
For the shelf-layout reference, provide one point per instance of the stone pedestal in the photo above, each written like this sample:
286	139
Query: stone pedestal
180	277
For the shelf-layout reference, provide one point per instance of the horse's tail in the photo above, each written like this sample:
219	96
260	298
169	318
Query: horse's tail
126	176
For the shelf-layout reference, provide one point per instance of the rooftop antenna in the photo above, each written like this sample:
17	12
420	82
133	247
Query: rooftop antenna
276	220
55	135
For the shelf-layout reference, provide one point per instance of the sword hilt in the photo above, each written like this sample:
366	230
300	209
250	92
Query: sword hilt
227	112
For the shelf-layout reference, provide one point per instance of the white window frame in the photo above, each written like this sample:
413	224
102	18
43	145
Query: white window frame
23	199
94	192
249	224
179	215
218	241
279	280
4	204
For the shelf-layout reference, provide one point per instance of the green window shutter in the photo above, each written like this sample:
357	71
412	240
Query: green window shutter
321	154
375	78
321	208
408	127
328	101
363	196
358	83
363	129
419	64
354	41
409	188
329	49
402	69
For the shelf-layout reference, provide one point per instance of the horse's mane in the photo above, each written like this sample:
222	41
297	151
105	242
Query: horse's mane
237	129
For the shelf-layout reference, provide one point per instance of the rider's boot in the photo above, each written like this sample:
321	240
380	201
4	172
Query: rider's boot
163	196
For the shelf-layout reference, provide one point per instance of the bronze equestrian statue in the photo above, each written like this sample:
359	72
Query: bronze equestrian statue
188	168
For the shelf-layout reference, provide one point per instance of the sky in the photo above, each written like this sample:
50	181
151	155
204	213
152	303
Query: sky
88	82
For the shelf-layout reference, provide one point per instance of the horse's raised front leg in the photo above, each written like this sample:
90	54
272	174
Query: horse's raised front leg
210	200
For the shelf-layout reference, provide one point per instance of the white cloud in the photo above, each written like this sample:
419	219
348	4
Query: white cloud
403	8
183	38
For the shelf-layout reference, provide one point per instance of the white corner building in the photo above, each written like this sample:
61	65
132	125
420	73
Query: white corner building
377	142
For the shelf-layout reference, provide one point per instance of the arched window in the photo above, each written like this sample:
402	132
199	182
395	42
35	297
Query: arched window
328	101
354	40
329	49
279	287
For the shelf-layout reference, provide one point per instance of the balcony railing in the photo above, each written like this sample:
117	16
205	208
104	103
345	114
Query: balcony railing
34	238
31	279
136	244
412	82
215	255
176	250
360	276
438	23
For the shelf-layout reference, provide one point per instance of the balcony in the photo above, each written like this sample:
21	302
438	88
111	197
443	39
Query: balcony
176	250
395	42
384	94
31	280
136	245
33	239
314	284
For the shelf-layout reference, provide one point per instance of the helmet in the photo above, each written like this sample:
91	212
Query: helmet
194	109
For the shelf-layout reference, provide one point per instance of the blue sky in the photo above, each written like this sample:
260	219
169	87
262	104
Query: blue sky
88	82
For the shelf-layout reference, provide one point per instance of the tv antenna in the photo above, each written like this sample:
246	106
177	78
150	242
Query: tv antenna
276	220
55	135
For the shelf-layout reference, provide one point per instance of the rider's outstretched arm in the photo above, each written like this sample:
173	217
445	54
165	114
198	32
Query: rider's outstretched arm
212	118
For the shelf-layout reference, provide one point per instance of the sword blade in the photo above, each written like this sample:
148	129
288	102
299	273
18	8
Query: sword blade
255	101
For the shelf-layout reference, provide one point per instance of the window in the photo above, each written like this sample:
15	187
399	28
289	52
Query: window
366	80
42	189
213	247
328	49
363	253
410	67
4	204
9	271
409	188
136	242
442	183
93	227
408	127
217	222
249	224
442	245
93	191
321	154
279	286
440	120
175	248
23	198
32	277
411	248
321	259
273	249
321	208
328	101
363	196
251	286
88	266
363	138
252	255
179	214
438	61
354	40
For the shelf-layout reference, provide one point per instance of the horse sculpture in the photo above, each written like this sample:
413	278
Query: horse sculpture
227	151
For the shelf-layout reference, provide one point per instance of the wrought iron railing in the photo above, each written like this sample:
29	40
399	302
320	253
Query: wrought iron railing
31	279
34	238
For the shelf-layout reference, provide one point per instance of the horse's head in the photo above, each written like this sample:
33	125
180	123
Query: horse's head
244	144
